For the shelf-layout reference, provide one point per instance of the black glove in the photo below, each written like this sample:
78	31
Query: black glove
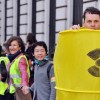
3	71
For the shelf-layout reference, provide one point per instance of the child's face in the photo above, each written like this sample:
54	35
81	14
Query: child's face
39	53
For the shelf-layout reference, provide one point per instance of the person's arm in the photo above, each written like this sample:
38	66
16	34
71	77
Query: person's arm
31	88
52	84
23	69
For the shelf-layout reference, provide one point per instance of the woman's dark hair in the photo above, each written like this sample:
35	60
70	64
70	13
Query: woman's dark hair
19	40
31	38
39	43
91	10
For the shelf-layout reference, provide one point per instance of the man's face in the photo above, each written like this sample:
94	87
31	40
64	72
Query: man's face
92	21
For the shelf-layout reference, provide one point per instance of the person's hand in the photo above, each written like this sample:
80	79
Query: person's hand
25	89
75	27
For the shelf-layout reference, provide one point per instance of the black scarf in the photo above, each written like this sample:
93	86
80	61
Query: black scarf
11	57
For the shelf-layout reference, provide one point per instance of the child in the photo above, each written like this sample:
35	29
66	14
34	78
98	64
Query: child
43	86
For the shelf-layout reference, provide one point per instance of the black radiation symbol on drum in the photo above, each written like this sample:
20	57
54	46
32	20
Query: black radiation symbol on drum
95	69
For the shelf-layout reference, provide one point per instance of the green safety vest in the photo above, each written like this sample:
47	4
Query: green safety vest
3	85
5	59
16	75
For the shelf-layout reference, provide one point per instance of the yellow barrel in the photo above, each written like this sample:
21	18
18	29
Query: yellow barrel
77	65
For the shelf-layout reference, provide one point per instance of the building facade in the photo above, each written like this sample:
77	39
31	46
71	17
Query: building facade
44	18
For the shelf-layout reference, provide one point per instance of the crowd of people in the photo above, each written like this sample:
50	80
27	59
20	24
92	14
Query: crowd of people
28	69
23	71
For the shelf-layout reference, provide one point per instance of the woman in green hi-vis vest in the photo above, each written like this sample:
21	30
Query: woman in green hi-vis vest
18	67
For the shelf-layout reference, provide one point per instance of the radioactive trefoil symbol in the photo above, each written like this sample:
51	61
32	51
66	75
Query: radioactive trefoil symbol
95	69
